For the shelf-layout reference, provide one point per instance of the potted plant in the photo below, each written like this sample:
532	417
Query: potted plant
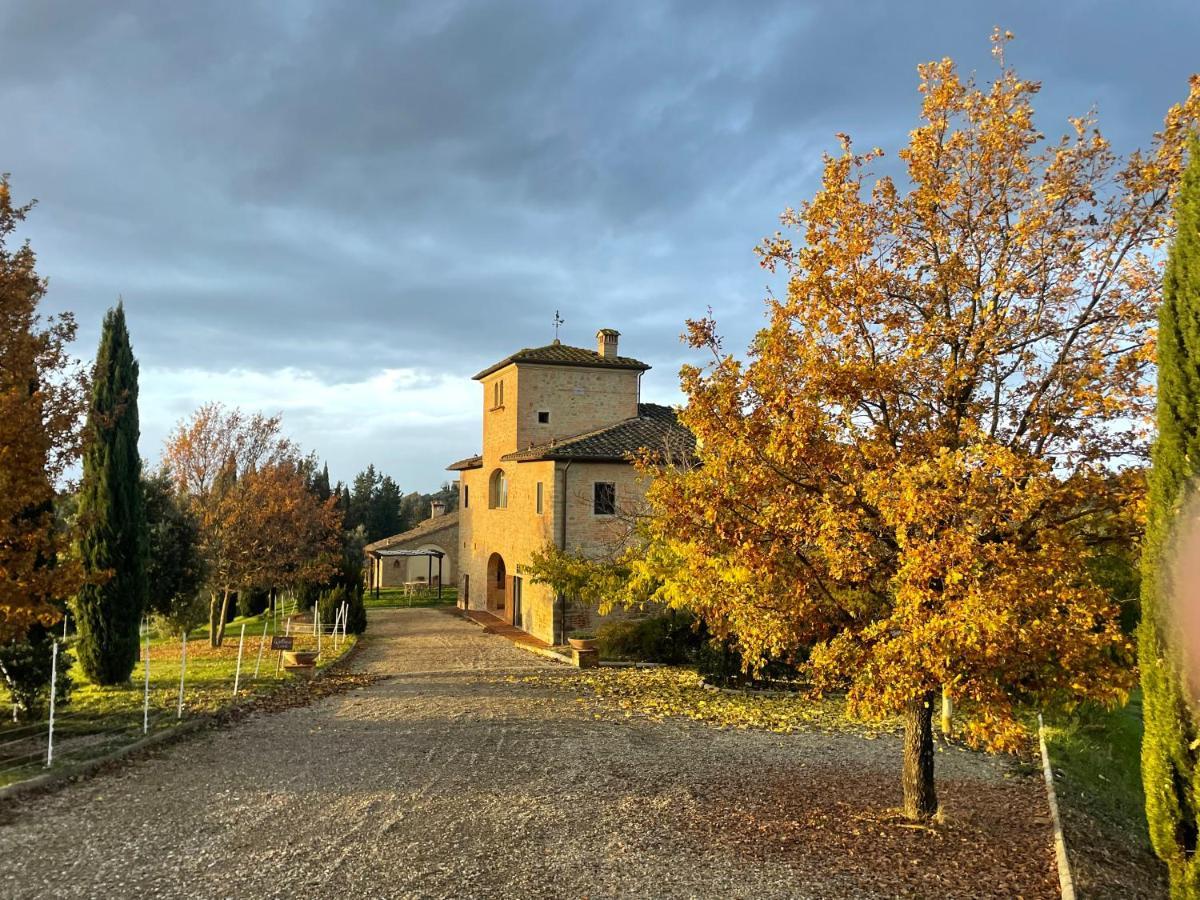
583	639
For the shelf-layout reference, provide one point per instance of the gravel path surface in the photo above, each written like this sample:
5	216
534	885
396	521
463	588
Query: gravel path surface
446	780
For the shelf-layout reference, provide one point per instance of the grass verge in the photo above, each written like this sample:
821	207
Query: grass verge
98	719
395	598
1096	757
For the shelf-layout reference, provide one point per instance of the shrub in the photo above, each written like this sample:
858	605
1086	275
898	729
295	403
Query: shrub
253	601
331	601
307	594
356	619
670	637
25	667
720	663
183	615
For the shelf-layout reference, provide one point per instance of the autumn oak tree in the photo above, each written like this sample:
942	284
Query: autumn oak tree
906	472
248	486
43	396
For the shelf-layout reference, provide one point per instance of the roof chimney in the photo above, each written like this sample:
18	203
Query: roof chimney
606	342
436	508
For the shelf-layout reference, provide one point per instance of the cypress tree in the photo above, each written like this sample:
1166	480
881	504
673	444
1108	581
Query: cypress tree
1169	748
113	538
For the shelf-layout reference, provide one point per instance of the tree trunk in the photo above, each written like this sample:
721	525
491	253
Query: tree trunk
213	611
224	615
947	714
920	796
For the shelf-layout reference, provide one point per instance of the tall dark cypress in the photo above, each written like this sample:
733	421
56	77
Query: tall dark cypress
113	527
1169	748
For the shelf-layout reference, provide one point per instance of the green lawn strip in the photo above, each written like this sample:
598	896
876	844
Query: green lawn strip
1096	755
395	598
96	718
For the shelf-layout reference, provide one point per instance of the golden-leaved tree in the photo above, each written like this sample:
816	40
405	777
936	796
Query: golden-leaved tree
42	399
911	468
248	486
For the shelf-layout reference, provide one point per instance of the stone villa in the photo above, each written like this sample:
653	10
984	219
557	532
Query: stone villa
561	426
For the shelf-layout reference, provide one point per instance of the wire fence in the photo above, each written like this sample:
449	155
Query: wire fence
177	678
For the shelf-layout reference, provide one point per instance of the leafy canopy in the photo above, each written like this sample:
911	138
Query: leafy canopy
915	461
43	394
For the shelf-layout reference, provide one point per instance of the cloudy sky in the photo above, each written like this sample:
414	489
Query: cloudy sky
342	211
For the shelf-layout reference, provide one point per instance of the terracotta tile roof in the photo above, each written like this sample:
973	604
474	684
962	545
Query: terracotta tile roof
471	462
561	355
654	428
417	532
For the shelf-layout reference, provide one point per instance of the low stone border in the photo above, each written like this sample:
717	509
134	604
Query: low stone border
56	778
630	664
1066	883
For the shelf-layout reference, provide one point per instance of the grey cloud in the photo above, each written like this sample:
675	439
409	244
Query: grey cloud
348	187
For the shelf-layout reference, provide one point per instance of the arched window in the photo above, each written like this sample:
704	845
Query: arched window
498	490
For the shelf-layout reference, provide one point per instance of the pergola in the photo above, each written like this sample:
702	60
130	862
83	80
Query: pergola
429	554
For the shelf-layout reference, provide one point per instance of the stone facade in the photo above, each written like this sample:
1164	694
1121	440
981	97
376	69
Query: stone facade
556	421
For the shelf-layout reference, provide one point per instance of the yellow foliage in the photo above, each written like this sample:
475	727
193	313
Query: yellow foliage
911	468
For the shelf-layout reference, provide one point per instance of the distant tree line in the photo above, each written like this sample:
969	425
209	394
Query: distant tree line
373	505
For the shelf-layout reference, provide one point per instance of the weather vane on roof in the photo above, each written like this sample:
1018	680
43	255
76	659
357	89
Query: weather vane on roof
558	321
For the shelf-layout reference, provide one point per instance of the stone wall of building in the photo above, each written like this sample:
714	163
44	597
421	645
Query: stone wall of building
513	533
516	531
578	399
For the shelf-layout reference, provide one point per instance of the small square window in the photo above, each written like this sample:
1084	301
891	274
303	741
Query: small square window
543	417
604	498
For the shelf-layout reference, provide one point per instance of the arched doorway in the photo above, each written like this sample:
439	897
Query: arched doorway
497	585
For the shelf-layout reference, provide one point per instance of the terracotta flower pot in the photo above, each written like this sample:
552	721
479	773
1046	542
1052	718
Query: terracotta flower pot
582	643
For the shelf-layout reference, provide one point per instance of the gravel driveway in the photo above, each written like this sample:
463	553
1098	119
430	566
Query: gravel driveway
444	779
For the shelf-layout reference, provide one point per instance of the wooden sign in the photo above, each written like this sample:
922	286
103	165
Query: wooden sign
281	642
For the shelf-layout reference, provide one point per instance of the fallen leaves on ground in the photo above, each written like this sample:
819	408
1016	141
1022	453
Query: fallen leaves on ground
841	828
988	847
664	692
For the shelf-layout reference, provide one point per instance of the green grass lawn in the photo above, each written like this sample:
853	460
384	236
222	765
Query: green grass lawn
1098	753
1096	757
96	719
393	598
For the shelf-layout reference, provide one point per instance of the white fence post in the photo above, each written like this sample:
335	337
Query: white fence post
146	699
317	626
261	645
53	694
182	672
237	675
